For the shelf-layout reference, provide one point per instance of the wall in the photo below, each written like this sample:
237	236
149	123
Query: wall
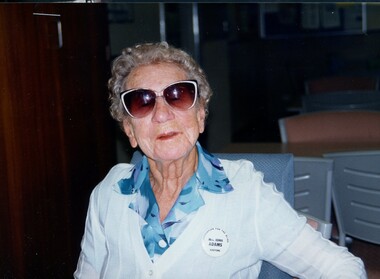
255	80
267	75
141	25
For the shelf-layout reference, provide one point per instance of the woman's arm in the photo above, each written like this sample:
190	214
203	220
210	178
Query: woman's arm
93	243
287	241
311	256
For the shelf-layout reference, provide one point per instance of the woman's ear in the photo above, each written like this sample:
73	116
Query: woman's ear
201	114
128	130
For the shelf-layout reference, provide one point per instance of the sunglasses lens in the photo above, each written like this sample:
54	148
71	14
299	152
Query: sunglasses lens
140	102
180	95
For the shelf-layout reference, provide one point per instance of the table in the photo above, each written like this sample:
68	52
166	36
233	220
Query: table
298	149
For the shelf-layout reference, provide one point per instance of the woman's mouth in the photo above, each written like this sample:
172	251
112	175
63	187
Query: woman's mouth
167	136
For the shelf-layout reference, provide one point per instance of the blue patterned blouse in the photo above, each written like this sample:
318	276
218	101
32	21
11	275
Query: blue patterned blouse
158	236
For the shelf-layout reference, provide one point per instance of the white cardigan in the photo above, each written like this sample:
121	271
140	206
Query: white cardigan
228	238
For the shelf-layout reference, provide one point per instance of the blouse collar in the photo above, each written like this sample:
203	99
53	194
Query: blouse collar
210	173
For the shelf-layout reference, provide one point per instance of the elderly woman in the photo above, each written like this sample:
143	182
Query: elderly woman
180	212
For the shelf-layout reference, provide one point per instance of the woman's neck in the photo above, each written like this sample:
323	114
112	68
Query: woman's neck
168	179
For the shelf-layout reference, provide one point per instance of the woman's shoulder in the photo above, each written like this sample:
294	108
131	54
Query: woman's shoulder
115	174
237	167
120	170
241	172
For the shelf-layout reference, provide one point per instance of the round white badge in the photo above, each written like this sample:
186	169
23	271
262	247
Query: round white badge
215	242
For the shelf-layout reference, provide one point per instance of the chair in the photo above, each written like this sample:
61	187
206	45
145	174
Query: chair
331	126
341	100
356	194
341	83
308	181
312	186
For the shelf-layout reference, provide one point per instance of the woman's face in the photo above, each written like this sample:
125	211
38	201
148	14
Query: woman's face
165	134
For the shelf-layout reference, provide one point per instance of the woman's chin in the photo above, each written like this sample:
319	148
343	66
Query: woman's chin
172	153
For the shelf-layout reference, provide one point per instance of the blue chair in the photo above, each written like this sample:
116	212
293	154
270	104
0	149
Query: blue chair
280	170
356	194
313	186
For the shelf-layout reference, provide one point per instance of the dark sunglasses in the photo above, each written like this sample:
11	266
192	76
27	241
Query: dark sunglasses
180	95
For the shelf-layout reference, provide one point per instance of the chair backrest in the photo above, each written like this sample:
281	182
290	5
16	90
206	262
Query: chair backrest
277	168
340	83
356	194
331	126
312	186
342	100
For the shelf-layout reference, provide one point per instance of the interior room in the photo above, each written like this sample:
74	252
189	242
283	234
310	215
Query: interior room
247	58
58	140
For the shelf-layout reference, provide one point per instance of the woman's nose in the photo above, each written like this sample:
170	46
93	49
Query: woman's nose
162	111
